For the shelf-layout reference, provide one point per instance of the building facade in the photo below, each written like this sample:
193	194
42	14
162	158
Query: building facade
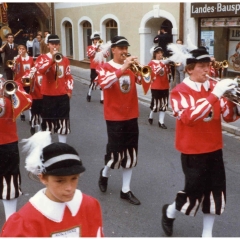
139	22
217	27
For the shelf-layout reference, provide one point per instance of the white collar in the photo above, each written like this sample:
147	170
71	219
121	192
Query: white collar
55	210
196	86
49	55
115	65
25	58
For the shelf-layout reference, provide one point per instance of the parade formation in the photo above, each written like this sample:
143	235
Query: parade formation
37	85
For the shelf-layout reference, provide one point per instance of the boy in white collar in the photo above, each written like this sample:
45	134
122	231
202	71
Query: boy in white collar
59	210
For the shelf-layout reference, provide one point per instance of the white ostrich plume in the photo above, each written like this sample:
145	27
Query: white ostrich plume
99	56
179	53
190	45
33	146
152	50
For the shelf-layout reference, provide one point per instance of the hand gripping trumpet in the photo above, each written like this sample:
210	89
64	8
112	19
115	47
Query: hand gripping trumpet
28	78
135	67
232	95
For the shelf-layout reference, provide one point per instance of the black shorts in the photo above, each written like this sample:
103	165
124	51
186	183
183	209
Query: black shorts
159	101
10	178
122	146
205	184
55	114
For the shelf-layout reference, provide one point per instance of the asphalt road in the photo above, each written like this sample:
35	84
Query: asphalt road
155	181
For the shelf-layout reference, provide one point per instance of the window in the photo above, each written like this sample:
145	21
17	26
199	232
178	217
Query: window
221	37
87	31
69	40
111	31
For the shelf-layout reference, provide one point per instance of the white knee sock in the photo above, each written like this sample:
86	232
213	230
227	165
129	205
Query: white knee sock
29	114
62	138
126	180
208	221
105	172
101	94
151	114
10	207
171	210
90	90
161	117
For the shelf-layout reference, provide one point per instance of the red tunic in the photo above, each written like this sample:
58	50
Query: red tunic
91	51
21	66
198	112
83	219
64	81
159	82
35	92
120	93
9	111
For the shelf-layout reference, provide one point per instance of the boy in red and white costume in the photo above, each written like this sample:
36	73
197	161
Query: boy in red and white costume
23	63
159	86
92	50
59	209
198	104
121	114
11	105
57	86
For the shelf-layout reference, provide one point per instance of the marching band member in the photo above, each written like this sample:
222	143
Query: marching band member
11	105
91	52
22	63
213	72
59	209
57	86
121	114
35	79
159	86
198	104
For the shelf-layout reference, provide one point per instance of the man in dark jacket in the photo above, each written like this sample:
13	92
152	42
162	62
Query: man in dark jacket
11	51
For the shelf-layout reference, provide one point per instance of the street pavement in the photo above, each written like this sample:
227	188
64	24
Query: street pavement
155	181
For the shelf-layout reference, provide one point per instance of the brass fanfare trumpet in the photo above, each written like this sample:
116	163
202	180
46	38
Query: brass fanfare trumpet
223	64
135	67
232	95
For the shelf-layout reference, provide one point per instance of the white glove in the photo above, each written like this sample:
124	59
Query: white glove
224	85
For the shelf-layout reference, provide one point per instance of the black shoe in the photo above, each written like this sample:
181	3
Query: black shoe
167	223
88	98
130	197
22	116
101	101
32	130
102	182
150	120
162	125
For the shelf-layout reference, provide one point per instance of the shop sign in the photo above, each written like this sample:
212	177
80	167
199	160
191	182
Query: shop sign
220	22
216	9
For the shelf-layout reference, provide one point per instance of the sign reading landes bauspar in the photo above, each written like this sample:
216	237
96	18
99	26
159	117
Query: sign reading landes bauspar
217	9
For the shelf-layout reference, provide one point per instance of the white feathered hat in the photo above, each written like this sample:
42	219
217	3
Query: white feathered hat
95	35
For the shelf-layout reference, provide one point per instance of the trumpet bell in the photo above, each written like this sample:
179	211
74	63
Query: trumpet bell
57	57
10	87
26	82
10	63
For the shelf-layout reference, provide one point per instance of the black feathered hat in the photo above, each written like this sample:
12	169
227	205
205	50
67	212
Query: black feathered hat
199	55
58	159
119	41
52	38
